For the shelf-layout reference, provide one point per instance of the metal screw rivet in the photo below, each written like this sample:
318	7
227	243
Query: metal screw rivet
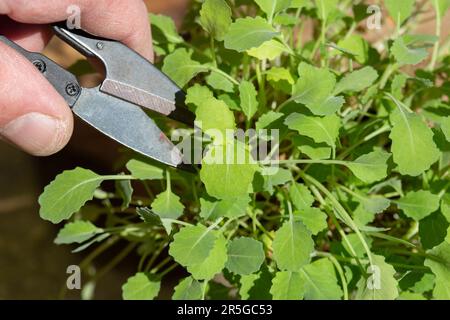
40	65
72	89
100	45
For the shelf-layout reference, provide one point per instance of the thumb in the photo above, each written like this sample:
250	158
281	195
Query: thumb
33	116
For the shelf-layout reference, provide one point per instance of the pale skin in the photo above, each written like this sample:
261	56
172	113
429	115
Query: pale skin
33	116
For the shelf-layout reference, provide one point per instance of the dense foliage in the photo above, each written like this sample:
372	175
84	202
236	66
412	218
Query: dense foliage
359	207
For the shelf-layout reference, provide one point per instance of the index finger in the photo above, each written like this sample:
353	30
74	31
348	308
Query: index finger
122	20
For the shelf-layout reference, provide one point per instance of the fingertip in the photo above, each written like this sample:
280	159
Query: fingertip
138	34
38	134
33	116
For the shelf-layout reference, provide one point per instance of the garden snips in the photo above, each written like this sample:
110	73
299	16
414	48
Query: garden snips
116	107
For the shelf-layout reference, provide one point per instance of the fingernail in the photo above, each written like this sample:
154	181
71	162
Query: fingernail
36	133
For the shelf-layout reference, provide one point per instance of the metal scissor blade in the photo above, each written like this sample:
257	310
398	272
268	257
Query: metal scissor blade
131	77
175	110
127	124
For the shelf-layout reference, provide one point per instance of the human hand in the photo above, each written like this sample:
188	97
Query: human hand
33	116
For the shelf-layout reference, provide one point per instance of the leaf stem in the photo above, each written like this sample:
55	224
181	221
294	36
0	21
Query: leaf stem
169	184
187	224
387	74
391	239
118	177
347	219
89	258
310	161
165	261
438	34
205	285
226	75
338	267
168	270
115	261
213	50
338	226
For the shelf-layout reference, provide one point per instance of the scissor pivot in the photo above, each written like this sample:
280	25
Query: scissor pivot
72	89
40	65
100	45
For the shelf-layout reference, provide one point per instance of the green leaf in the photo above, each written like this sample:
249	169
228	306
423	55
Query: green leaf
214	263
247	33
77	232
164	27
375	204
247	283
87	244
148	216
315	151
441	269
140	287
313	218
223	175
215	18
260	288
231	101
300	196
329	106
144	171
281	177
219	82
410	296
381	284
357	81
188	289
370	167
279	74
325	7
248	94
398	83
314	87
267	119
272	7
400	10
426	283
287	285
67	194
356	46
418	204
245	256
180	67
192	245
230	208
300	3
167	205
411	139
292	246
433	230
445	127
362	217
197	94
125	191
324	129
408	55
320	281
269	50
215	115
285	19
445	206
355	242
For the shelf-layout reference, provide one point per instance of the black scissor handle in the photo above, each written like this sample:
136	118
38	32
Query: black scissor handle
65	83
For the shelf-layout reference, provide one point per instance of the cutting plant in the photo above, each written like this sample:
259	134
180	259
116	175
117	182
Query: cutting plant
350	198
